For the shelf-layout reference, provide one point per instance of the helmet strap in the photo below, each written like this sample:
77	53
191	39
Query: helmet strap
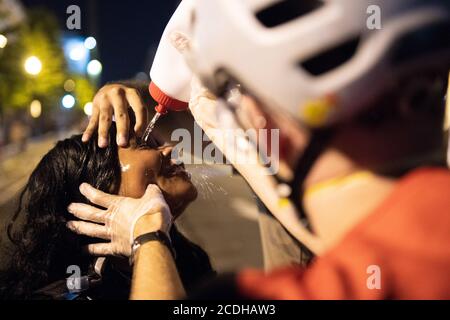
319	141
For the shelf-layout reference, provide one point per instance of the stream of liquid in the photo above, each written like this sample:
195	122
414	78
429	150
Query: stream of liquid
202	177
150	127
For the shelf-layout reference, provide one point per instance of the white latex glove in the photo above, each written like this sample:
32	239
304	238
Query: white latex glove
117	222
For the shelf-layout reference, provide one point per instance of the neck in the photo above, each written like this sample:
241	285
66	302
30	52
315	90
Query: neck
338	198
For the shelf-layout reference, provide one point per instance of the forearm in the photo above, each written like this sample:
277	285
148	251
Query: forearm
155	275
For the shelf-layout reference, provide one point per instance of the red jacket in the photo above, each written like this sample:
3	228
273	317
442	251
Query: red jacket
406	239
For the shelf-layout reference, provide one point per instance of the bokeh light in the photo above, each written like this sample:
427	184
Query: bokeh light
35	109
3	41
68	101
78	52
88	108
90	43
94	68
33	65
69	85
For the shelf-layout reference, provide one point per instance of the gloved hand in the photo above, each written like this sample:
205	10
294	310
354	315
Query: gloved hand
117	222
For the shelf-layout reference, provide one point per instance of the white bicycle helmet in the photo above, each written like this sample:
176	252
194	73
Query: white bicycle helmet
320	61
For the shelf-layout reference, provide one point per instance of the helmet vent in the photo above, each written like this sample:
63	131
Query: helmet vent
331	58
287	10
431	39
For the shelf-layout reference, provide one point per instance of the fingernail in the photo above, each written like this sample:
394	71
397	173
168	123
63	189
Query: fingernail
85	138
121	141
70	208
83	186
69	225
102	142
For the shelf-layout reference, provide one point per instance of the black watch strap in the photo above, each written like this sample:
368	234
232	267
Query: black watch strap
151	236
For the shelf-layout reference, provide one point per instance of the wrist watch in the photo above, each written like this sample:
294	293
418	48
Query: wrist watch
151	236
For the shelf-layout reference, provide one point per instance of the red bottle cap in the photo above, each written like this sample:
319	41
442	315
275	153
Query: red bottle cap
165	102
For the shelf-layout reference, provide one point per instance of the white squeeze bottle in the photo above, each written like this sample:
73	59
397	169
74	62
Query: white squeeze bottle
170	76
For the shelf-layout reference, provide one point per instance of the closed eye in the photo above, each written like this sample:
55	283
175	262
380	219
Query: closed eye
151	143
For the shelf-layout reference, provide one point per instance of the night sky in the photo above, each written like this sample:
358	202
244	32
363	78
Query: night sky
127	32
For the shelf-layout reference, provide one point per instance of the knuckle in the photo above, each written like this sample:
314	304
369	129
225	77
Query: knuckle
100	96
139	107
105	108
105	118
95	197
76	227
117	90
121	115
131	90
98	216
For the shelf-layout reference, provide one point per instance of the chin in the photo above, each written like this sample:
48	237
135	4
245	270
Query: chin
181	197
193	193
189	194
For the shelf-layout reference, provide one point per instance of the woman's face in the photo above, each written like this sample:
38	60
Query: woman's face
152	164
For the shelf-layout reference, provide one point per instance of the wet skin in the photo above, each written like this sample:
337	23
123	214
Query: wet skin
144	164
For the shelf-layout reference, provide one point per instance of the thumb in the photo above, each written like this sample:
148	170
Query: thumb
155	200
152	191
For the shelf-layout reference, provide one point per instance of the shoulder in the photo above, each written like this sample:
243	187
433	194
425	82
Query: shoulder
426	182
423	194
414	218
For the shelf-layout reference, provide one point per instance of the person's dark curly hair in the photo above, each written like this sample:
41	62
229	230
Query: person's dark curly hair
44	247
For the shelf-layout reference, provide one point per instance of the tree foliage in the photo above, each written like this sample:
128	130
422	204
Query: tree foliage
38	36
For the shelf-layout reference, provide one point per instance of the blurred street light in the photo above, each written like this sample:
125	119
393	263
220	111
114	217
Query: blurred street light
69	85
78	53
33	65
94	68
90	43
35	109
3	41
88	108
68	101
